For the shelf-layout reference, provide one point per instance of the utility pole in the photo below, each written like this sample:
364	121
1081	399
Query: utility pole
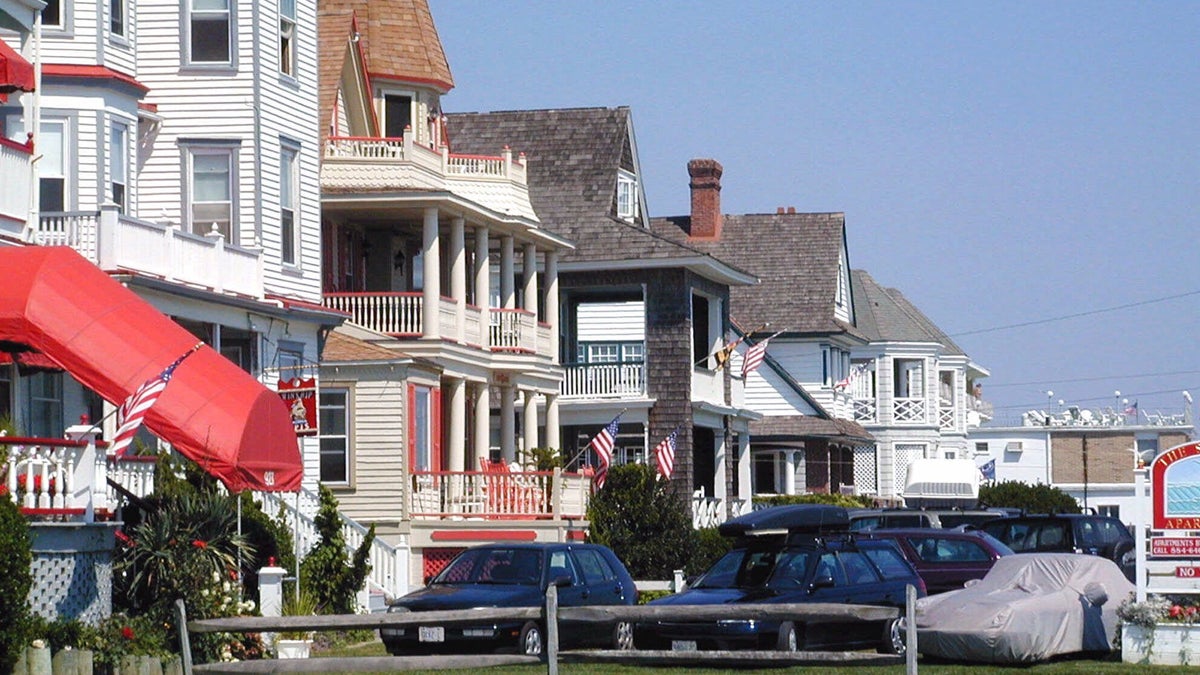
1085	474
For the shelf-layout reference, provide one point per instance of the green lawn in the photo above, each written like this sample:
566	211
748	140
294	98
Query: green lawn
1065	667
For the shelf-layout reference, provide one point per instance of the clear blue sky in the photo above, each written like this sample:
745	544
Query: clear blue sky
998	163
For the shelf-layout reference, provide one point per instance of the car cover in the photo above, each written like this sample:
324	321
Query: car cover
1028	608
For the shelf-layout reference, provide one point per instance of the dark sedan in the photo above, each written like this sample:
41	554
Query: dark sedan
945	559
517	575
1068	533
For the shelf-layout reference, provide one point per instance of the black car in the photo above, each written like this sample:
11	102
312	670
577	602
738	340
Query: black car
517	575
1068	533
792	557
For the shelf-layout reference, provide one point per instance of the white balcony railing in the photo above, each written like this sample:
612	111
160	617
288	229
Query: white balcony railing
114	241
604	380
865	410
498	495
391	313
707	511
15	167
946	417
909	410
363	163
513	330
56	478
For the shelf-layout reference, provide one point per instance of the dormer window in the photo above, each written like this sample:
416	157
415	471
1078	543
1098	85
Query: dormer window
397	114
627	195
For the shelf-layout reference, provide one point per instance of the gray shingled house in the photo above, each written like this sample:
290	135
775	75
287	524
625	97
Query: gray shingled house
642	315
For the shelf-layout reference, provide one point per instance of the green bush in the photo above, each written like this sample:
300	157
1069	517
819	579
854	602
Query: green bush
16	560
269	538
848	501
646	525
1039	498
325	573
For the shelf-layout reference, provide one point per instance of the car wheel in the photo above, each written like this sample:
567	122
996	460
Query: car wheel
787	640
623	635
530	642
894	638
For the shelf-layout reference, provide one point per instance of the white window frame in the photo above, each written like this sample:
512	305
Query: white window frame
51	401
287	37
64	12
16	123
412	107
118	163
200	227
627	195
289	205
191	14
325	407
423	455
118	18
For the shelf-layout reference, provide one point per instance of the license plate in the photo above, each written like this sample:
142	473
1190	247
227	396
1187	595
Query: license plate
431	634
683	645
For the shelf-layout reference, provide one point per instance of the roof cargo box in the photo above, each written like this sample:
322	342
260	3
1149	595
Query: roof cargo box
788	519
942	483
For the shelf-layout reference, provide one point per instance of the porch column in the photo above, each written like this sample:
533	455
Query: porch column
529	421
508	295
552	304
789	472
456	436
529	269
483	420
483	286
744	488
458	276
508	437
553	433
720	478
431	292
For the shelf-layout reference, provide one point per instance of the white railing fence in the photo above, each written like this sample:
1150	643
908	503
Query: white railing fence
391	313
55	477
493	495
603	380
909	410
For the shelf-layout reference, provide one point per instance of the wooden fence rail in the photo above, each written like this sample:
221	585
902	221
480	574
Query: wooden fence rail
552	613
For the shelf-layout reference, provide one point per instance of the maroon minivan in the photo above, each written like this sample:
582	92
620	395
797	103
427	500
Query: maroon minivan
945	559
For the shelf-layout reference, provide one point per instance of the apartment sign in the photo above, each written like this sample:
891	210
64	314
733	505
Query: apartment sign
1175	494
1175	546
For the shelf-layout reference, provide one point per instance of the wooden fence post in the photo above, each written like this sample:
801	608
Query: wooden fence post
185	645
552	629
910	620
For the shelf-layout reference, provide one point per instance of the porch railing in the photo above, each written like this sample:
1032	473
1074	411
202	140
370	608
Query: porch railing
485	495
865	409
391	313
946	417
513	330
707	511
14	166
54	477
909	410
604	380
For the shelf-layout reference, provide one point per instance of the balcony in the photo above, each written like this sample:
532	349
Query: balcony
118	242
604	380
491	495
401	315
14	166
372	164
909	410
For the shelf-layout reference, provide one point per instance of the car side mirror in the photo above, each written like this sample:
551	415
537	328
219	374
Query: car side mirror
821	582
561	580
1095	593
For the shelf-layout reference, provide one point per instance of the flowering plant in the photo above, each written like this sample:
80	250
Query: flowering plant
1158	609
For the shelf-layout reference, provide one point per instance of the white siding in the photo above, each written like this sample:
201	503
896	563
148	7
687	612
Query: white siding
378	455
612	321
767	391
77	42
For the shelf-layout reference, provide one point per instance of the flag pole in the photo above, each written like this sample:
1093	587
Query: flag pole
728	349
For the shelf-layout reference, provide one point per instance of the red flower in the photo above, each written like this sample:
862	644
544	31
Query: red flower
200	543
1175	612
127	632
124	538
1191	611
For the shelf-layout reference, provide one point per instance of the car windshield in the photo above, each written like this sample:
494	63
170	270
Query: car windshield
519	566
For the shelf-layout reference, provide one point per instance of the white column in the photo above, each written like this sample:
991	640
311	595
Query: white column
529	421
720	482
508	295
553	432
457	437
508	438
431	288
529	268
552	303
745	466
483	421
483	284
789	472
458	276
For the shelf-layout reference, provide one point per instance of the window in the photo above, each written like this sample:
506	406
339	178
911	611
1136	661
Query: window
1109	511
334	423
422	429
116	17
52	182
909	378
603	353
858	570
211	180
889	562
634	352
289	186
52	14
46	405
118	161
596	569
287	37
702	342
208	31
627	195
240	347
397	114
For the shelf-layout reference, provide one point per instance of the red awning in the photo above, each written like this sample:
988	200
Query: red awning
16	74
29	361
112	341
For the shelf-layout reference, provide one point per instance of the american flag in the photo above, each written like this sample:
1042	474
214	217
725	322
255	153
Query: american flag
603	444
134	409
853	375
1132	410
664	454
754	357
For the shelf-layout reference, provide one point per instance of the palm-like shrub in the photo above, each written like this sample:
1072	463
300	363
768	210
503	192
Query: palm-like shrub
15	580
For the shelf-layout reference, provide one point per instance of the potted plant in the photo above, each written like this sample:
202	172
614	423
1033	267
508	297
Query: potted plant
1161	630
292	644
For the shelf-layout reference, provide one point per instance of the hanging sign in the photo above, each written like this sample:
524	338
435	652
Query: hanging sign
300	395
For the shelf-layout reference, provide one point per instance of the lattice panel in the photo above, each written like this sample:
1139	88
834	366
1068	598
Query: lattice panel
903	455
866	470
434	560
72	585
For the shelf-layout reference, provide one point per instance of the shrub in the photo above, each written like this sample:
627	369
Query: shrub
646	525
848	501
710	546
1039	498
325	573
16	560
269	537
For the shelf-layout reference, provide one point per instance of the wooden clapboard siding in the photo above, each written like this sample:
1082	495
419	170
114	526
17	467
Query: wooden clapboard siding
378	447
767	391
77	42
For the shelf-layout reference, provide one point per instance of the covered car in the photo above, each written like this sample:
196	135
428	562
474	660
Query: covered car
1028	608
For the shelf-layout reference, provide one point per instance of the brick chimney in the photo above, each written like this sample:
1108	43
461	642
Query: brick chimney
706	198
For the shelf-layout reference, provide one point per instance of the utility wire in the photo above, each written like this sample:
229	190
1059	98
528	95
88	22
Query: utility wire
992	385
1076	315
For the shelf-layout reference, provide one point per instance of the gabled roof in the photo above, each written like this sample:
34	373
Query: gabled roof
885	315
794	255
573	158
341	347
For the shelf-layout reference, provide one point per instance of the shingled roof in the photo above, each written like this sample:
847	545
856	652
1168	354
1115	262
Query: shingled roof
573	156
794	255
341	347
884	314
397	37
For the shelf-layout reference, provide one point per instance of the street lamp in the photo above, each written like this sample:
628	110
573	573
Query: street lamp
1049	400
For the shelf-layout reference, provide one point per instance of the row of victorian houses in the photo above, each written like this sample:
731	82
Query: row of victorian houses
450	294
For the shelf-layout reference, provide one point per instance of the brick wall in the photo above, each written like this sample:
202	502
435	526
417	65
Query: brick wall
1108	457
